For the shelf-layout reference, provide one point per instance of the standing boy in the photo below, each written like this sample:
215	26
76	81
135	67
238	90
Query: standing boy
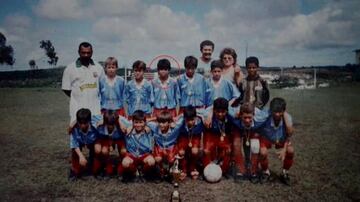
253	88
166	90
277	131
139	92
112	88
194	90
221	87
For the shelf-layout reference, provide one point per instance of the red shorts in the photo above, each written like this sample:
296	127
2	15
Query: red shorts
184	142
137	160
156	112
212	140
168	153
182	109
268	144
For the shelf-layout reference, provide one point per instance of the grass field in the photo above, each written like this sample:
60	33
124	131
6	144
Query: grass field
35	153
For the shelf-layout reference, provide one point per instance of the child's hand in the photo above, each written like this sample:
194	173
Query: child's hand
128	130
281	154
207	122
147	129
82	161
172	125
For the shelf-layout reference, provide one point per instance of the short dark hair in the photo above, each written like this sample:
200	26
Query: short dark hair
277	104
163	64
207	43
164	116
216	64
83	115
110	117
229	51
138	64
252	59
189	112
190	62
221	104
248	108
138	115
85	45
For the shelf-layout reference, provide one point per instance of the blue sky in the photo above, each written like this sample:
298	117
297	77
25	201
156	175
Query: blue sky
279	32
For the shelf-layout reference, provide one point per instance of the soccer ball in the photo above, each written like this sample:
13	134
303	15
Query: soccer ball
212	173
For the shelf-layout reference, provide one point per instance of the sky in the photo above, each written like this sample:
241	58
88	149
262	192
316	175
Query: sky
282	33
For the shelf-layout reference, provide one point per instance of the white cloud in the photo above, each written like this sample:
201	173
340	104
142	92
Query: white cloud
59	10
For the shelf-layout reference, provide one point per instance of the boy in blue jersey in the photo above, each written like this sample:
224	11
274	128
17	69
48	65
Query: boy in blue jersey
189	142
221	87
110	135
218	138
277	131
139	92
82	135
194	90
139	146
112	88
166	133
166	90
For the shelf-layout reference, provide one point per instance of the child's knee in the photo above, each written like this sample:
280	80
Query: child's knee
182	152
263	151
255	146
122	151
290	149
194	151
97	148
158	159
207	151
126	162
105	150
149	160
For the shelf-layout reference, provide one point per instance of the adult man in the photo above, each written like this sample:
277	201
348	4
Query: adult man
81	81
206	48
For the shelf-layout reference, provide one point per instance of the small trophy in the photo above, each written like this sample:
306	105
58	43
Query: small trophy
175	171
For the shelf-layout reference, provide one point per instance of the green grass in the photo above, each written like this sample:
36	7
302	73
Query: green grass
35	153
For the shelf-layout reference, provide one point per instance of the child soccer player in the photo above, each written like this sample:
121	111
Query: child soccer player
218	138
166	133
253	88
221	87
110	134
277	131
139	92
194	90
166	90
189	142
82	135
139	146
112	88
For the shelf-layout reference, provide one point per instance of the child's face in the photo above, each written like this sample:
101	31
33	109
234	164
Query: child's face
247	119
207	52
216	73
138	74
163	73
164	126
220	114
111	70
139	125
252	69
190	122
228	60
84	126
190	71
277	116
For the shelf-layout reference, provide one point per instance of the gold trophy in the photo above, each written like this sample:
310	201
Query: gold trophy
175	172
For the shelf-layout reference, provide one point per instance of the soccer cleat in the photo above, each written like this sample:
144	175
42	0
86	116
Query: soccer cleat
265	176
72	176
284	178
254	179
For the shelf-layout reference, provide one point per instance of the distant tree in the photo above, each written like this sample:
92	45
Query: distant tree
32	64
6	52
49	51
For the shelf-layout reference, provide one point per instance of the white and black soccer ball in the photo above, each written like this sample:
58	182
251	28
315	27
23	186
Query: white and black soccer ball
212	173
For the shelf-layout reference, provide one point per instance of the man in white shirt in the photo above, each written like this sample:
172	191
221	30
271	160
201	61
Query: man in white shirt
81	82
206	48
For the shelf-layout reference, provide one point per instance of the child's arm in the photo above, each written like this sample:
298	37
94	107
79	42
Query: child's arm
125	125
288	124
82	159
282	152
